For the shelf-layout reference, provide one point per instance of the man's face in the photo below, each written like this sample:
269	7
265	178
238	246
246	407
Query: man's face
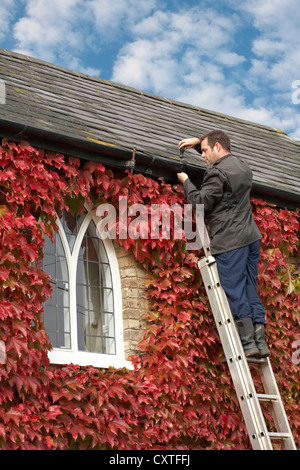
209	154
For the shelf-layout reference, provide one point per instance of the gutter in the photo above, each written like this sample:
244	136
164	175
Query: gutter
123	159
93	150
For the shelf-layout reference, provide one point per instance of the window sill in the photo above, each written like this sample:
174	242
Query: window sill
81	358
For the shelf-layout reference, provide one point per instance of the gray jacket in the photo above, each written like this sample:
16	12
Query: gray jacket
225	193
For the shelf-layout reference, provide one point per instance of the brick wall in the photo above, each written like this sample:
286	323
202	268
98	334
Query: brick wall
135	303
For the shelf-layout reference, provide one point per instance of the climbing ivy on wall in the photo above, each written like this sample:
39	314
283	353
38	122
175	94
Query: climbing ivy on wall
179	395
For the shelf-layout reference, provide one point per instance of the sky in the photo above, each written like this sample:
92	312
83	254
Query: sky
235	57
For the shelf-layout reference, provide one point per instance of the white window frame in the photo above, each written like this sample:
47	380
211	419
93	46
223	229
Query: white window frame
73	355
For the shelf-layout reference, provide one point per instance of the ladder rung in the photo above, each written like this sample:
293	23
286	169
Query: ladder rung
279	435
264	397
255	360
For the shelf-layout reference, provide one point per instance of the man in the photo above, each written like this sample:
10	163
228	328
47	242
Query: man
235	237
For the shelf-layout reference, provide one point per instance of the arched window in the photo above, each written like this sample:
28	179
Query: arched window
83	317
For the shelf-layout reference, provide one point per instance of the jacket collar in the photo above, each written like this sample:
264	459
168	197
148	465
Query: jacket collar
222	158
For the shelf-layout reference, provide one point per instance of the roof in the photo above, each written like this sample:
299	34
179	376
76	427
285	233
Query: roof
65	111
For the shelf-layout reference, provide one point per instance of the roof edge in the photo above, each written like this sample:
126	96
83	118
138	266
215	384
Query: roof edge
197	109
120	158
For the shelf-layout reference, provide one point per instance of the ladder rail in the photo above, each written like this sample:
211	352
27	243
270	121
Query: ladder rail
249	399
278	411
235	357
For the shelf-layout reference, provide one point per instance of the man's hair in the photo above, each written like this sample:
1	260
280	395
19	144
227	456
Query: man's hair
217	136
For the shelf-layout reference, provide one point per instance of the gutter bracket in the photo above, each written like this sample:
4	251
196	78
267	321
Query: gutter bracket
131	163
147	168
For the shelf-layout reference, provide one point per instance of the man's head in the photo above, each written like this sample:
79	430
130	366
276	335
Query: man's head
215	145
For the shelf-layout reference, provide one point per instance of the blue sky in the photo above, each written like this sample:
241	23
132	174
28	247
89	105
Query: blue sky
235	57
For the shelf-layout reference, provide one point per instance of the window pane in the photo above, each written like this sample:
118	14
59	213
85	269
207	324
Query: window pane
106	280
93	291
56	308
96	331
71	225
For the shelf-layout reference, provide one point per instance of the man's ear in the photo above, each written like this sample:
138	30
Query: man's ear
218	146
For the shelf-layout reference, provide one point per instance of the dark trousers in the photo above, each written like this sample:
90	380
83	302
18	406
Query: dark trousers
238	276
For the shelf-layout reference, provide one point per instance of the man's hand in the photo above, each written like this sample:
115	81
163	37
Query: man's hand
182	177
189	143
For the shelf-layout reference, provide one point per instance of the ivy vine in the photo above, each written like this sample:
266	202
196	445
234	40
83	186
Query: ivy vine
179	395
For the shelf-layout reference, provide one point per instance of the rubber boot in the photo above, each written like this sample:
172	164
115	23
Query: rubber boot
245	329
259	338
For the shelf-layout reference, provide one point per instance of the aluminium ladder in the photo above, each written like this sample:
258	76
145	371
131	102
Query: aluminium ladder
249	399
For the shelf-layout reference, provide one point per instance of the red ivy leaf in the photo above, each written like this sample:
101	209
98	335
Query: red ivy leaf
17	344
30	252
4	273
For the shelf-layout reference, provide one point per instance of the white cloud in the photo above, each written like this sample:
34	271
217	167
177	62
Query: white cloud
51	30
113	16
277	18
201	28
7	9
61	31
48	25
147	65
265	47
170	51
229	59
278	44
275	62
